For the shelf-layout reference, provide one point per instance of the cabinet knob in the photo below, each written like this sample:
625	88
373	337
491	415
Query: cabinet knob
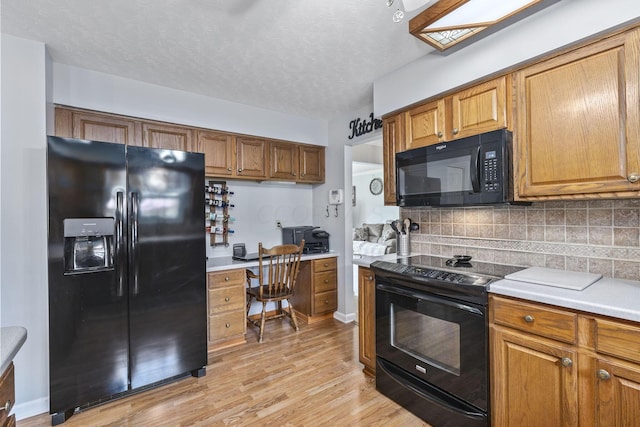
226	299
239	169
634	177
229	169
603	375
294	174
226	279
566	362
302	174
529	318
439	134
326	301
455	131
326	280
370	278
326	265
7	406
228	325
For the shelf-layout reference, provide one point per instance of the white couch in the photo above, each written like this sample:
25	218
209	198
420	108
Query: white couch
374	240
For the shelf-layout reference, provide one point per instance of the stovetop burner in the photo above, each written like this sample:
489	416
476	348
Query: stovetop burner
457	277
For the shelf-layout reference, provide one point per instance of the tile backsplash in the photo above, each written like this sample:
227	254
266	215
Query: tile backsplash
601	236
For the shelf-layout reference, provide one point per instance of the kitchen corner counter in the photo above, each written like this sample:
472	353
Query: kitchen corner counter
609	297
11	340
366	260
228	263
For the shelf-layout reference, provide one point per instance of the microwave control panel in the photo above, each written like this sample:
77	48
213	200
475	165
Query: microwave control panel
491	171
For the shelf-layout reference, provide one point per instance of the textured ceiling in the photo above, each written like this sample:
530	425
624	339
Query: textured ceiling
304	57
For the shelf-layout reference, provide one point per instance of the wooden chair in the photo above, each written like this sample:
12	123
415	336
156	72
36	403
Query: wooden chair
282	265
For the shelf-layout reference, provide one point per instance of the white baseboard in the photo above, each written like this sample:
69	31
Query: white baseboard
344	318
31	408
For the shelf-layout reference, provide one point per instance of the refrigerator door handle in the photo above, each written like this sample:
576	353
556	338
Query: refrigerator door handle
120	266
133	263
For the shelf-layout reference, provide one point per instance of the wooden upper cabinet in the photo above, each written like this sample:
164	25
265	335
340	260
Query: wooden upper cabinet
170	137
392	143
97	127
284	160
311	163
478	109
481	108
251	157
219	152
577	127
425	125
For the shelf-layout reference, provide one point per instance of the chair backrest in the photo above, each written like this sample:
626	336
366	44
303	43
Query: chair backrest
283	265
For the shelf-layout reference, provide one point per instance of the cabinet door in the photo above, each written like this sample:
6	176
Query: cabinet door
618	394
284	160
367	320
577	121
251	157
425	125
219	153
479	109
311	164
534	382
392	142
170	137
99	127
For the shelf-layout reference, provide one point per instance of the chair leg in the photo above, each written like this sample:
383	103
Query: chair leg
293	316
262	319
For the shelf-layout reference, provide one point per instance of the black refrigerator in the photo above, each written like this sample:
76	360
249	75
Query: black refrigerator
126	265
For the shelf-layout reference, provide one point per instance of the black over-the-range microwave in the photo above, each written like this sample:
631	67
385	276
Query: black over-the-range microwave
469	171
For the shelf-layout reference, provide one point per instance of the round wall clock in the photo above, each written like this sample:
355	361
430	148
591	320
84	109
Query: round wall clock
375	186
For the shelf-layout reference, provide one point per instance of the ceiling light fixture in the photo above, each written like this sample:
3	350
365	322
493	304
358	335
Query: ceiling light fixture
408	6
448	22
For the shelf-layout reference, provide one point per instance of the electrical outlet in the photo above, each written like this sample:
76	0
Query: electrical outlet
278	224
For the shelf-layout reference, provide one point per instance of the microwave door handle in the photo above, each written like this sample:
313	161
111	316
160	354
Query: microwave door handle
475	171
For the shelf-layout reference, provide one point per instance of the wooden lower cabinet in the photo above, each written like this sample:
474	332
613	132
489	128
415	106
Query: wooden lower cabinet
7	397
226	309
316	292
367	320
589	374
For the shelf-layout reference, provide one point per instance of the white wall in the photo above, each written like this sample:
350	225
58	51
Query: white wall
562	23
370	208
93	90
258	206
23	280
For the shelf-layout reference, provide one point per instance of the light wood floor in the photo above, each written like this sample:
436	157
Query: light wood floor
307	378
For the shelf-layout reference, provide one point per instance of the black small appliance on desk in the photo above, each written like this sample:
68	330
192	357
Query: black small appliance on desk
316	241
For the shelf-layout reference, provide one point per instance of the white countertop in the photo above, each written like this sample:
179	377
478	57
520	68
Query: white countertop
610	297
366	260
11	340
228	263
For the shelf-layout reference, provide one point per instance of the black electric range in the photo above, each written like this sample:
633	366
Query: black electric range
460	277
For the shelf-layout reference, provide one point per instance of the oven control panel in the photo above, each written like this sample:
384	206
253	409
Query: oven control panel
433	274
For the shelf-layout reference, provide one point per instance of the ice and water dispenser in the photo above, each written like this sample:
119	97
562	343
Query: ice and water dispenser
88	244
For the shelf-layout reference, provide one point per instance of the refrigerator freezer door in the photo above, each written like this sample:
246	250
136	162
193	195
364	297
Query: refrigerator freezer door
88	339
167	285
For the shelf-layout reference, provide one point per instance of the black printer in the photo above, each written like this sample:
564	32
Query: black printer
315	241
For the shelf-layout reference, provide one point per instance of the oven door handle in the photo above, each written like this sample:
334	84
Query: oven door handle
420	296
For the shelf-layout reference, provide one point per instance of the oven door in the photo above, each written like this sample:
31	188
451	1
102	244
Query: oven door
439	340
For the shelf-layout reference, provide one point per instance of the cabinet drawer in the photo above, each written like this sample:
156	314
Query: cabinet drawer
225	325
535	319
7	392
326	264
226	299
325	302
225	278
618	339
326	281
